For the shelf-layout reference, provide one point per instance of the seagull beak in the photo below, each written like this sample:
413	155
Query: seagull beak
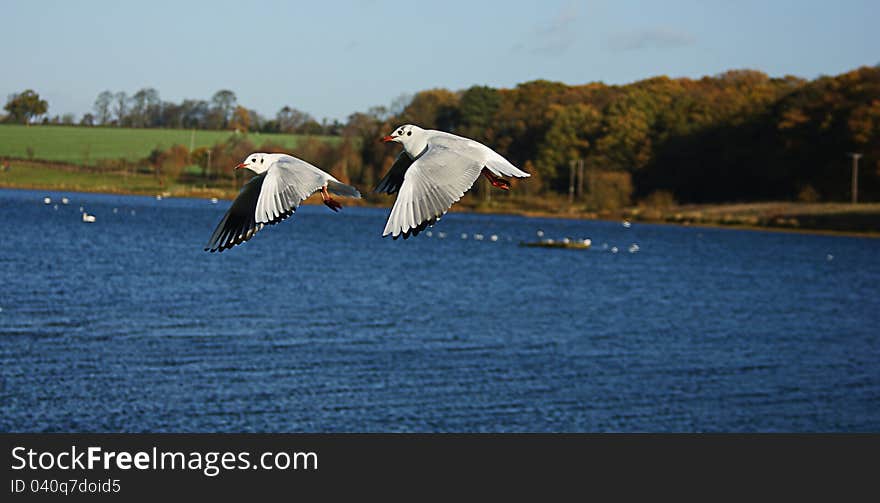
239	166
386	139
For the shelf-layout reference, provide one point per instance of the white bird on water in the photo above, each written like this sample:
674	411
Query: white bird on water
432	172
90	219
281	184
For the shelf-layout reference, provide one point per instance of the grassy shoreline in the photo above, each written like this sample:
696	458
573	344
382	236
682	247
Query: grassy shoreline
837	219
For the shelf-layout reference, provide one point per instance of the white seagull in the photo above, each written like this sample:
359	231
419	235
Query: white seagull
281	184
432	172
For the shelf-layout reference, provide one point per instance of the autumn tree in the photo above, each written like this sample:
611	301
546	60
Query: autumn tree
25	106
572	131
241	119
476	111
432	109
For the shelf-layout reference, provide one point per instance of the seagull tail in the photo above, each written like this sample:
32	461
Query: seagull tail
341	189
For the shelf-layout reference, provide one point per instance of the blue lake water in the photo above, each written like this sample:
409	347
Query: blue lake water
318	324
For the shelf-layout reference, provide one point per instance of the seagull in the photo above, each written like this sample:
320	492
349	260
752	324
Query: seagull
432	172
281	184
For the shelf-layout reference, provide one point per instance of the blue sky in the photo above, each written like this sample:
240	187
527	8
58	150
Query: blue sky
332	58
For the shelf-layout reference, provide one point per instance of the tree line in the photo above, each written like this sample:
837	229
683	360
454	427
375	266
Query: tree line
737	136
144	108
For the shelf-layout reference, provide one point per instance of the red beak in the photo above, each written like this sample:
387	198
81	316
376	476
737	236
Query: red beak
386	139
241	165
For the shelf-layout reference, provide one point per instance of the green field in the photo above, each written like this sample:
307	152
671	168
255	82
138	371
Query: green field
86	145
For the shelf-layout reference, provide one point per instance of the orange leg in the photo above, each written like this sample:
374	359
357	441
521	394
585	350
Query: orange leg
495	181
329	201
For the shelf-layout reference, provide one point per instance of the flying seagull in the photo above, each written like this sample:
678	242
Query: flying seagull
281	184
432	172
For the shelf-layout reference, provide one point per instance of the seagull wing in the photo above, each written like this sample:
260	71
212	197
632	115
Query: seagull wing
493	161
392	180
267	198
289	182
238	224
431	185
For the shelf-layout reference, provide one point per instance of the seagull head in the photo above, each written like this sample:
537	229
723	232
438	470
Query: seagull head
256	162
413	138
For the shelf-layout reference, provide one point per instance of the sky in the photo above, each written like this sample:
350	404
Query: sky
332	58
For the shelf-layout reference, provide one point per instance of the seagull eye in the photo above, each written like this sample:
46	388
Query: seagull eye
261	160
409	133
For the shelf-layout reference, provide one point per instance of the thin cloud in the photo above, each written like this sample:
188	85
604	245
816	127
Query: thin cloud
651	38
553	36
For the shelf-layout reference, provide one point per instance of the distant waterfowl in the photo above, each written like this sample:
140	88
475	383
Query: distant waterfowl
88	218
478	237
464	235
65	200
281	184
47	200
432	173
614	249
493	237
566	243
540	233
214	200
627	224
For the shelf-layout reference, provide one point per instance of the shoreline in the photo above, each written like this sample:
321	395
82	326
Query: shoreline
227	194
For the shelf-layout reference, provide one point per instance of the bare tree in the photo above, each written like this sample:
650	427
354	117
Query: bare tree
224	102
143	105
120	106
102	107
291	120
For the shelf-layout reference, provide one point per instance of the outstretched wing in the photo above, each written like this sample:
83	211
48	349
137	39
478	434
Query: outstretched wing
392	180
431	185
238	224
493	161
289	182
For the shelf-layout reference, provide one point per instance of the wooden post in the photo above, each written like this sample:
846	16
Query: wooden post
855	177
